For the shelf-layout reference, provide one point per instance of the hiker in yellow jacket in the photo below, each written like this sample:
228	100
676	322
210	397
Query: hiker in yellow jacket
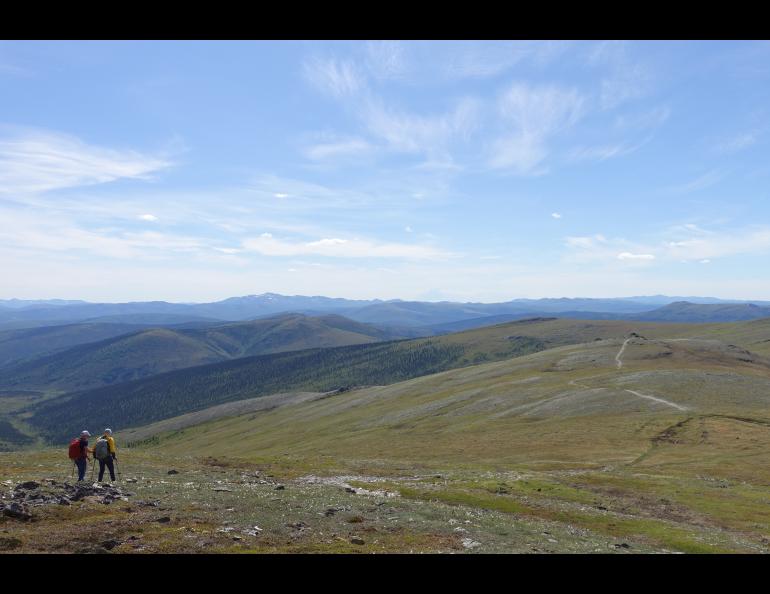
106	455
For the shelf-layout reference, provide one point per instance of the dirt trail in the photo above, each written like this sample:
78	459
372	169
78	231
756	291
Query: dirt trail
620	353
656	399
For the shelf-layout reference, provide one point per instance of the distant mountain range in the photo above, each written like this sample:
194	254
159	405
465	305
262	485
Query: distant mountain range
16	313
136	353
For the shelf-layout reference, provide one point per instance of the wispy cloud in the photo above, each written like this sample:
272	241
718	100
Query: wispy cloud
737	143
336	247
386	60
600	153
534	115
630	256
342	148
430	135
338	78
34	162
626	78
702	182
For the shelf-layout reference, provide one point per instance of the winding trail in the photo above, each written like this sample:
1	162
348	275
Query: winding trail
620	353
619	361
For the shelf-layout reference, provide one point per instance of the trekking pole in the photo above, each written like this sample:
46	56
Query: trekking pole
93	467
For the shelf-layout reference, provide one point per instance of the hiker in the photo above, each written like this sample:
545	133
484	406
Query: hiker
105	452
79	453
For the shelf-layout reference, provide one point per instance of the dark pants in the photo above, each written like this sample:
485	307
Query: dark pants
82	465
108	463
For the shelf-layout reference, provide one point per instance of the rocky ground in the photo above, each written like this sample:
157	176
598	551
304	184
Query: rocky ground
162	505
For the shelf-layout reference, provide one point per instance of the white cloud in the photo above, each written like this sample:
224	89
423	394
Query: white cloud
737	143
630	256
386	59
600	153
586	243
340	248
148	217
707	261
534	114
280	195
408	229
706	180
625	79
556	215
429	135
343	148
33	162
334	77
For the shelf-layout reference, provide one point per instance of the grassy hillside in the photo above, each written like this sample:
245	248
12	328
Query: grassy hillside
16	345
152	399
149	352
633	443
684	311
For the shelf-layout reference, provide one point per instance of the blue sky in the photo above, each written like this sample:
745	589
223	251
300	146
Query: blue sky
471	171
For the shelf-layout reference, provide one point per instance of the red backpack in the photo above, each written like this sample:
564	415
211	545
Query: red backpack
75	449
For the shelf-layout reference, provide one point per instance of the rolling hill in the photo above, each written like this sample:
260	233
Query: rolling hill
147	352
320	370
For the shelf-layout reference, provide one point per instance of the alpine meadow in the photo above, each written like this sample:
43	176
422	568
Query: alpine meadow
344	297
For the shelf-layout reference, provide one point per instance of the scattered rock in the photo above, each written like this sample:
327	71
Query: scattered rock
110	544
350	490
223	489
164	520
469	543
28	486
16	511
331	511
279	487
172	471
357	541
623	545
131	480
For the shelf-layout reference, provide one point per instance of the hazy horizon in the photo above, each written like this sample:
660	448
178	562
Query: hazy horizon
192	171
580	297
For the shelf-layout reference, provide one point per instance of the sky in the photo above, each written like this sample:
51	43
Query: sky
429	170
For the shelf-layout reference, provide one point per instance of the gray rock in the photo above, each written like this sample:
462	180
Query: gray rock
164	520
172	471
279	487
356	540
16	511
28	486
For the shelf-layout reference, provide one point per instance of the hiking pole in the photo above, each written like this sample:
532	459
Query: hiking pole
93	467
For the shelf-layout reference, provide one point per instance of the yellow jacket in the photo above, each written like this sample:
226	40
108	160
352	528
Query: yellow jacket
111	442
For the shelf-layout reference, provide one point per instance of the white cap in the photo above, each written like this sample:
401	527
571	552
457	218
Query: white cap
108	431
85	434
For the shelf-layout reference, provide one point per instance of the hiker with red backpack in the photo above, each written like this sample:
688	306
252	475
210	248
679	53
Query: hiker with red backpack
78	453
105	452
